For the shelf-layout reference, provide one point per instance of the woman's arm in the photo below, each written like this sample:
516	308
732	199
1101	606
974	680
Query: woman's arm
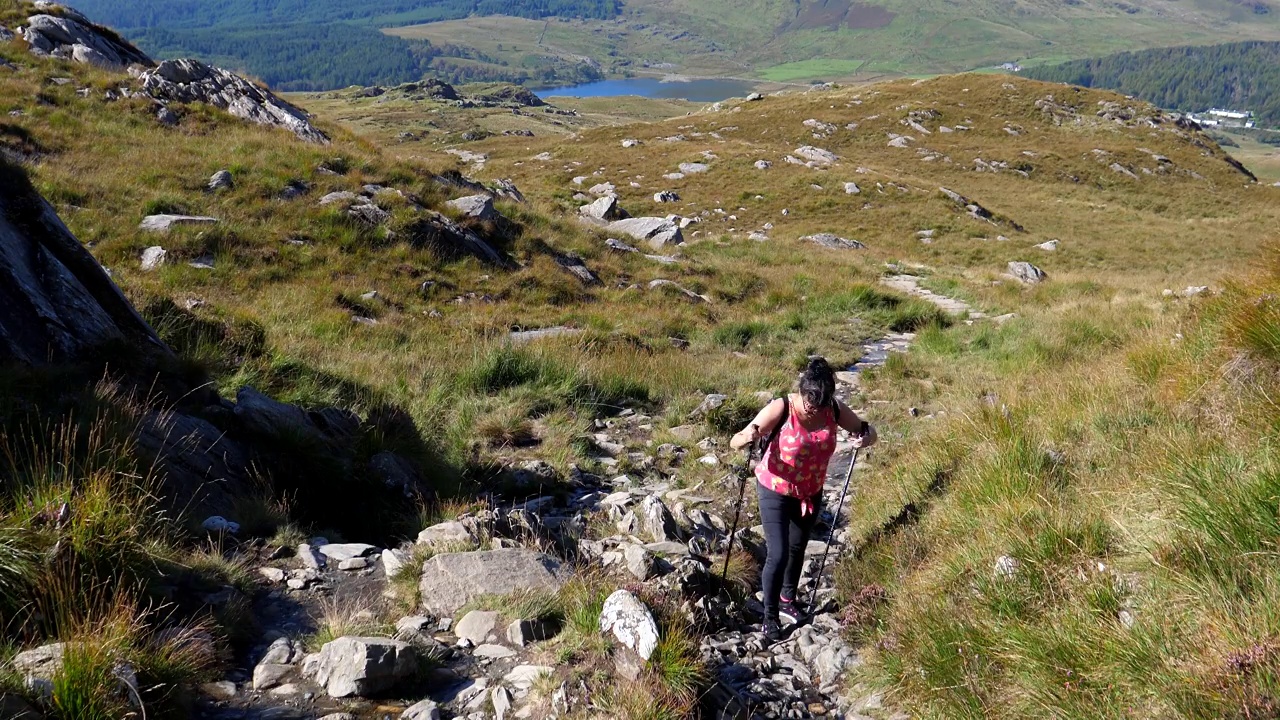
850	421
768	418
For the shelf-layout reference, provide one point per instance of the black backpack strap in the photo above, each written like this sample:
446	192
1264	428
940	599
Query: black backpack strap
777	429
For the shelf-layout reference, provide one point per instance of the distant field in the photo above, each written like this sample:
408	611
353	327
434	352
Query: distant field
802	40
1262	159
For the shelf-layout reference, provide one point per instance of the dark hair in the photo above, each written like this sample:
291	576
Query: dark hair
818	384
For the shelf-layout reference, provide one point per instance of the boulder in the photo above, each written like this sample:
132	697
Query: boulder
606	208
449	240
763	164
526	632
816	155
657	232
191	81
476	626
603	189
666	196
629	621
693	168
522	677
362	666
658	522
220	181
835	242
479	207
37	667
1027	273
263	416
852	188
164	223
576	267
451	580
152	258
58	302
640	562
77	39
501	700
423	710
447	532
338	552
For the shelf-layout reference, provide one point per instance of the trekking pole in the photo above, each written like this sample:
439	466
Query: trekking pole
737	512
817	579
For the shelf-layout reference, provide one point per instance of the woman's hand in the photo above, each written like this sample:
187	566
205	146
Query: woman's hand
867	439
748	435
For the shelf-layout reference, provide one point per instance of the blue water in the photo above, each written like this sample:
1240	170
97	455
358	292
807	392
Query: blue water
713	90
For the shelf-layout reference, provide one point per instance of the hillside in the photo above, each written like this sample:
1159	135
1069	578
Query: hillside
435	424
1192	79
803	40
775	40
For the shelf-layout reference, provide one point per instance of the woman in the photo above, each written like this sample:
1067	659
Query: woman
801	431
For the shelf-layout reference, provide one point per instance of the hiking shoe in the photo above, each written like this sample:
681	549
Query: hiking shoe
790	613
772	630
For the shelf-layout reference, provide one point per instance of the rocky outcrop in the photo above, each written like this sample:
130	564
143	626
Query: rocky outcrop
190	81
450	241
835	242
71	36
657	232
361	666
59	304
451	580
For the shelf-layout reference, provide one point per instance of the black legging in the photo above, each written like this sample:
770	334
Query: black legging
786	535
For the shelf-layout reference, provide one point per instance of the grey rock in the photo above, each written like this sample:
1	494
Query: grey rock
311	557
1027	273
693	168
221	180
835	242
490	651
166	117
269	675
152	258
451	580
629	621
393	561
1050	246
38	667
576	267
1006	566
522	677
501	699
362	666
816	155
640	562
852	188
605	208
164	223
340	196
447	532
1122	170
340	716
479	207
477	626
657	232
658	522
221	690
663	283
763	164
395	472
449	240
603	189
347	551
76	38
423	710
190	81
526	632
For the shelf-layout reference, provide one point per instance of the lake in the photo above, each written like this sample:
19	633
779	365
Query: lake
706	90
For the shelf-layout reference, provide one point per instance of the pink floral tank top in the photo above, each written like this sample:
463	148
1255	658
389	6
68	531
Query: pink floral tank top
796	463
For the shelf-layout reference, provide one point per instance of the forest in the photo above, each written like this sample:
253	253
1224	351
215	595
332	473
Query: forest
1240	76
306	57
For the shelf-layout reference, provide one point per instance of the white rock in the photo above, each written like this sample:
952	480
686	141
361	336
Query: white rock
693	168
347	551
630	622
450	531
1006	567
816	154
501	699
1050	246
423	710
522	677
361	666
